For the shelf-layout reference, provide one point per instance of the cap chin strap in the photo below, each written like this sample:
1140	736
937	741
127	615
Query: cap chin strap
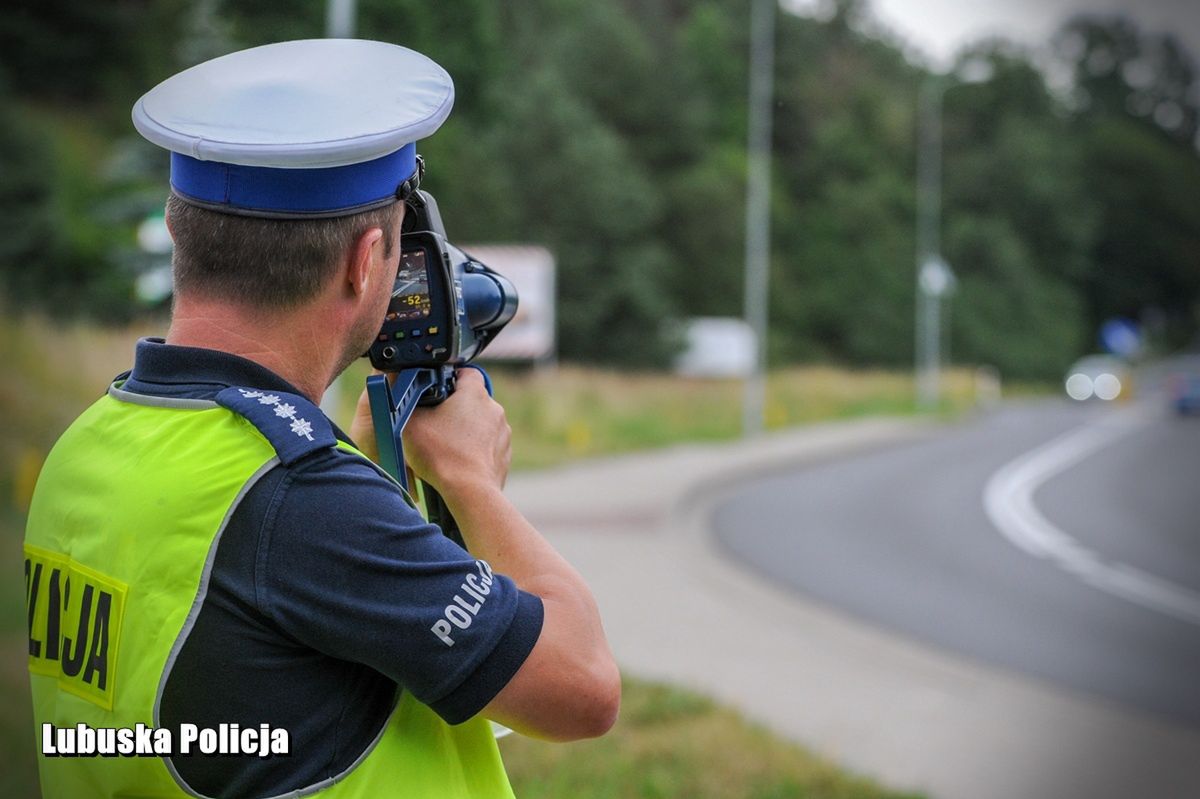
412	183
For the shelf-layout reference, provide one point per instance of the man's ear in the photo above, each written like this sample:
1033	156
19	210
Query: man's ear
358	268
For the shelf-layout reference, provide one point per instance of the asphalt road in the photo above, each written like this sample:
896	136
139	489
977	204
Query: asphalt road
1099	592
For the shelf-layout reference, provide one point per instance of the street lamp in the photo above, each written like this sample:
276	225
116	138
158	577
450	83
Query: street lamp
935	279
340	16
758	204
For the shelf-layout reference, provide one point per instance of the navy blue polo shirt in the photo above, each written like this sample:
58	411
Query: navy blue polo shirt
323	590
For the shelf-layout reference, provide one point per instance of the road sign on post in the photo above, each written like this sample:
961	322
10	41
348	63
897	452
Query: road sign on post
934	281
936	278
1121	337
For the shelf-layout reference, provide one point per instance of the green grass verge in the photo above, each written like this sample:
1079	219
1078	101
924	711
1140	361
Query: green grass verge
670	742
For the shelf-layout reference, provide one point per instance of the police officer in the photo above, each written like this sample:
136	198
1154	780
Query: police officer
206	548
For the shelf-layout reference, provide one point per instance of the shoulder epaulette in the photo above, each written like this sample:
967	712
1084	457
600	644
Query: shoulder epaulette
293	424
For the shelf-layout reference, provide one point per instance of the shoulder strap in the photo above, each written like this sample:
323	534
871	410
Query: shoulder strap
293	424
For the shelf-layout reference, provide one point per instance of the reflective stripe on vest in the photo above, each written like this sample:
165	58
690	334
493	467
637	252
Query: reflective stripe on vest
122	530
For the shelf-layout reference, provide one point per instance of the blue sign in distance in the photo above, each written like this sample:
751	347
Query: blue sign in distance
1121	336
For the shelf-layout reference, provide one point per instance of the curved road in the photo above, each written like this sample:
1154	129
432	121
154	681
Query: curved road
1092	582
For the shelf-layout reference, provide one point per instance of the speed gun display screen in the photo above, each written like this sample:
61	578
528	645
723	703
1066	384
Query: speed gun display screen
410	298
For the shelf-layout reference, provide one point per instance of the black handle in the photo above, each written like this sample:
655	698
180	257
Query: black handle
440	515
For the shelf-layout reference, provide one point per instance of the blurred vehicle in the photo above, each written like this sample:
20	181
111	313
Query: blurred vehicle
1184	391
1101	377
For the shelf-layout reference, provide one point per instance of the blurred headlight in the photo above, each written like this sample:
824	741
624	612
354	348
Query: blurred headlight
1079	386
1107	386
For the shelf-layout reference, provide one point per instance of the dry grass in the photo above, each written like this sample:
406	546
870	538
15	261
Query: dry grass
53	372
572	412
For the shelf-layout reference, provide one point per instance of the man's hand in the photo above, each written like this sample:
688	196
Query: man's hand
462	445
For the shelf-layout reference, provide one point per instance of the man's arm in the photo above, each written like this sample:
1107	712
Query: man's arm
569	686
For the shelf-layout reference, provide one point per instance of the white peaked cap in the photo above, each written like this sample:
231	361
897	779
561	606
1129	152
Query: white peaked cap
263	121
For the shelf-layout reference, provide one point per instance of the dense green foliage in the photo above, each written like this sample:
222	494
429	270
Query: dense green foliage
614	133
1137	127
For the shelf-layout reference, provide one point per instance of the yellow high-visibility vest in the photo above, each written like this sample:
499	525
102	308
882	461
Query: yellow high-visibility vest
123	528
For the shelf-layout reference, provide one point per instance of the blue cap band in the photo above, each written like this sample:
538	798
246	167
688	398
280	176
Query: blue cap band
276	191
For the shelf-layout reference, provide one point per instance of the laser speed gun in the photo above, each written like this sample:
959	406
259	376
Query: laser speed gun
446	307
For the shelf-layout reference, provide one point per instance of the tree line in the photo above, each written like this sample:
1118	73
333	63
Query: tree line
614	133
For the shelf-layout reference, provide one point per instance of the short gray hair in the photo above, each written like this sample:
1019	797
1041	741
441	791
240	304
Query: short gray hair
264	263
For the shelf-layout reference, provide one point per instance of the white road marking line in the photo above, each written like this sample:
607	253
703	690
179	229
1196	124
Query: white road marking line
1008	500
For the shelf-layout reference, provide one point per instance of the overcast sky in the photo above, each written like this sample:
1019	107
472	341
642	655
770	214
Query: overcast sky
938	28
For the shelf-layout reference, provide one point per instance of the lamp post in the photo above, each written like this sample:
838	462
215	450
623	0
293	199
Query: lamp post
340	19
758	204
340	16
932	271
934	278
